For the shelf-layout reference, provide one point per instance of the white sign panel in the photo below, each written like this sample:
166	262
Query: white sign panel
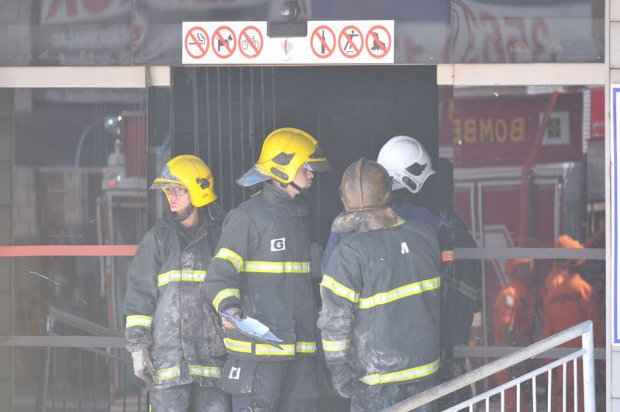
615	211
327	42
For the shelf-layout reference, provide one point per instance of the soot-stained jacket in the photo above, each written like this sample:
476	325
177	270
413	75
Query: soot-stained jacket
166	307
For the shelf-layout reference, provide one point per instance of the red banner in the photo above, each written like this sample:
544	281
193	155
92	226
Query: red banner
501	131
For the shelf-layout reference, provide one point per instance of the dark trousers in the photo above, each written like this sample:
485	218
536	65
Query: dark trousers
289	386
186	398
379	397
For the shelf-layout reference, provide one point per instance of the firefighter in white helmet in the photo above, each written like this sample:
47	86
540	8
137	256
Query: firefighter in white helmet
173	335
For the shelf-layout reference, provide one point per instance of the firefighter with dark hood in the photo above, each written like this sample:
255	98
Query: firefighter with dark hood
381	297
411	169
262	271
173	334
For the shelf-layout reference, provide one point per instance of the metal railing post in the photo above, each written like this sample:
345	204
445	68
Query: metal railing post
589	400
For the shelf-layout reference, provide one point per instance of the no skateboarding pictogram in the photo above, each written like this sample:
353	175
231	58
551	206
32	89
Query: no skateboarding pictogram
251	42
378	42
323	42
197	42
350	42
224	42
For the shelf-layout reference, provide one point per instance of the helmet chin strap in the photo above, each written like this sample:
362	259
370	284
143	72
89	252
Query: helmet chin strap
183	214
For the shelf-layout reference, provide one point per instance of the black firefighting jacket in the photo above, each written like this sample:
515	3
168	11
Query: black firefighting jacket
165	305
262	266
381	307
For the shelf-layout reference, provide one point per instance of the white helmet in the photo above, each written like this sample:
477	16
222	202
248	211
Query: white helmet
407	163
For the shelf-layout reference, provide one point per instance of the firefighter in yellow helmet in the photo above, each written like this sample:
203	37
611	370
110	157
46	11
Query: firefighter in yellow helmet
173	336
262	270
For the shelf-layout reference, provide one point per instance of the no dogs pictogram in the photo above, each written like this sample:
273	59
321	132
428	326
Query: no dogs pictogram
224	42
350	42
197	42
250	42
378	42
323	42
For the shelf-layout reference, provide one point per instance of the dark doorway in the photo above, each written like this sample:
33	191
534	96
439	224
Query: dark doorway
223	114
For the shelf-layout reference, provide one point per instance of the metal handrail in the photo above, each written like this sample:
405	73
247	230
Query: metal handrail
583	329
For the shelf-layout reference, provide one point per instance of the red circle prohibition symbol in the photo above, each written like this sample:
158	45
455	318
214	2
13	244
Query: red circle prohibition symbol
252	48
191	35
220	40
384	47
324	42
349	41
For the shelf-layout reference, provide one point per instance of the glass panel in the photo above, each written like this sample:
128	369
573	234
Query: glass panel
119	32
80	166
78	162
522	183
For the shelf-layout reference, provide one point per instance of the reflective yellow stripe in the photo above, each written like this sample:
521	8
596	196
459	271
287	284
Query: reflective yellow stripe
402	376
205	371
263	349
181	276
238	345
335	345
224	294
231	257
139	320
339	289
305	347
399	293
259	266
167	374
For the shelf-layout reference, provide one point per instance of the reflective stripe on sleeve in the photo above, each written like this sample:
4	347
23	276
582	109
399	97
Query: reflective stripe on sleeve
268	267
225	294
402	376
305	347
139	320
335	345
168	374
402	292
339	289
181	276
205	371
231	257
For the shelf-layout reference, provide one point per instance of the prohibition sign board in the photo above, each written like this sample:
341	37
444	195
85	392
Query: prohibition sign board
224	42
197	42
350	41
251	42
323	41
378	41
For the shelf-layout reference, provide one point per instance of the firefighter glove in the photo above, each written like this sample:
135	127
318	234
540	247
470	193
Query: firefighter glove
143	366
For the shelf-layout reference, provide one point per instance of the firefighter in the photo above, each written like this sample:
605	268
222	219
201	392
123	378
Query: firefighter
173	335
567	302
412	174
262	270
381	297
514	316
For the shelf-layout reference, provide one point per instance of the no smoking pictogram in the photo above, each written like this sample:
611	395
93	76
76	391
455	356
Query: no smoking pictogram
197	42
250	42
378	42
224	42
323	41
350	41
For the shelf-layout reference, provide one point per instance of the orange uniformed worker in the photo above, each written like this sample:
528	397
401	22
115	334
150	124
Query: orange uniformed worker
514	317
567	301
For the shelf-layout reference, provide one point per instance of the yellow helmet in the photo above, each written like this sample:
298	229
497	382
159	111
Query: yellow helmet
193	174
284	151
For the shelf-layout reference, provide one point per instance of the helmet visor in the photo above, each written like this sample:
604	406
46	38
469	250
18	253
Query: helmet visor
317	162
252	177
